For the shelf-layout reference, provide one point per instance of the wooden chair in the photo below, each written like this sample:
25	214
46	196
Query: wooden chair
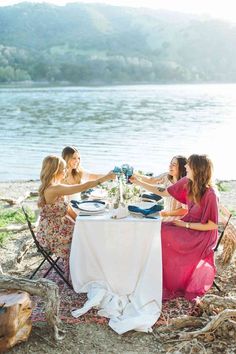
46	254
224	219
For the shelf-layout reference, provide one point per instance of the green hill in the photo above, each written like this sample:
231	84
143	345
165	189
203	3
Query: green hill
99	44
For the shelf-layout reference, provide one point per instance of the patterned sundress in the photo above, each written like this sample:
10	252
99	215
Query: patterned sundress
55	229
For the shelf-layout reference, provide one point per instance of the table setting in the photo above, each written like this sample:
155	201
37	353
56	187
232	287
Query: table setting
116	257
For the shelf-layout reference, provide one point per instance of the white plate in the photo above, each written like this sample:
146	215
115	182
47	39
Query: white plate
98	194
92	207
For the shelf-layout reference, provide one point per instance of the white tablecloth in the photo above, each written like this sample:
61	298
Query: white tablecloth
118	263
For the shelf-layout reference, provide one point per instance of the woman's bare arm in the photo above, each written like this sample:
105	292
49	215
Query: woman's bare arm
149	187
175	212
149	180
210	225
64	189
89	176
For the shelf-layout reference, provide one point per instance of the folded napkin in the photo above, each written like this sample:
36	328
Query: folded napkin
152	210
151	196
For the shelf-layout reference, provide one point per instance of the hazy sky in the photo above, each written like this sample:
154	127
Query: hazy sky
216	8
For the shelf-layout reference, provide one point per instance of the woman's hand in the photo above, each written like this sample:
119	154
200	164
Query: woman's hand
164	213
179	223
109	176
134	179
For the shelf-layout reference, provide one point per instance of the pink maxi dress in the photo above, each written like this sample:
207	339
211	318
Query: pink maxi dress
188	255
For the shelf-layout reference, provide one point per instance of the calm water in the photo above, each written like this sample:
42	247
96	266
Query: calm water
141	125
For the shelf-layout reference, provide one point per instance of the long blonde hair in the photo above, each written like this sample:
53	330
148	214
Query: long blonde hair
51	166
67	154
202	168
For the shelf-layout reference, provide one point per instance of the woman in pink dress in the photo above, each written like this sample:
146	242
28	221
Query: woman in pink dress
188	244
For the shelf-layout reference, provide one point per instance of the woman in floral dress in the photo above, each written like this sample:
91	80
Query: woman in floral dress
56	222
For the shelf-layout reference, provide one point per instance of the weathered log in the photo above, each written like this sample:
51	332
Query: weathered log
15	325
14	228
186	321
24	249
12	201
210	303
41	287
211	326
19	200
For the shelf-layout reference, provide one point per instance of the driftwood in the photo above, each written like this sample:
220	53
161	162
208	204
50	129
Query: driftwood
41	287
224	307
212	303
186	321
229	245
211	326
24	249
19	200
12	201
14	228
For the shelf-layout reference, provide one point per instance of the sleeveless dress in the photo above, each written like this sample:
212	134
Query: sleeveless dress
188	255
55	229
170	203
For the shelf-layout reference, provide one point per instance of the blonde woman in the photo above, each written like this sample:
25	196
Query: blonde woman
75	173
55	225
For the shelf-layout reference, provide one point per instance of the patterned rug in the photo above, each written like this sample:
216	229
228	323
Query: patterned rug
70	300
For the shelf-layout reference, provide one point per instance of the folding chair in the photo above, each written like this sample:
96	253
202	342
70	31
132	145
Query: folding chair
224	219
47	255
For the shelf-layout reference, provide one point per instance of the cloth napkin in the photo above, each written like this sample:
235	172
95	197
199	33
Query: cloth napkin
151	196
152	210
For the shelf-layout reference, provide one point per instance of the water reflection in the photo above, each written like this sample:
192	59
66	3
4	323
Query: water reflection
140	125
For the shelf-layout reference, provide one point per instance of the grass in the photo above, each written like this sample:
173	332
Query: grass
4	236
12	216
233	212
222	187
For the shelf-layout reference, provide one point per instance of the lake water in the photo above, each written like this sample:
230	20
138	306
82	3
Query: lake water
140	125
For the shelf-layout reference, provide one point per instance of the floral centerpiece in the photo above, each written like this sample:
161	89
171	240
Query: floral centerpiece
121	192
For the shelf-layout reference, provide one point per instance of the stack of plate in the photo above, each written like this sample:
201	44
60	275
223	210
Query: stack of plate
90	207
98	194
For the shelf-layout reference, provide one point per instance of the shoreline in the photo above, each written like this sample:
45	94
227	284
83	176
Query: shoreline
18	188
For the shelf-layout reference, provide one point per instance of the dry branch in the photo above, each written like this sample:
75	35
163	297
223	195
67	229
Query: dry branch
211	326
24	249
229	245
43	288
19	200
186	321
210	303
14	228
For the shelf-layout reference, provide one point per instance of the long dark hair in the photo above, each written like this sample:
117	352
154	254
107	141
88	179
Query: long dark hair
202	168
182	160
67	154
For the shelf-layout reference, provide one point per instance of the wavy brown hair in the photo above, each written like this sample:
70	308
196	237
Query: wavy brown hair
67	154
51	166
181	160
202	168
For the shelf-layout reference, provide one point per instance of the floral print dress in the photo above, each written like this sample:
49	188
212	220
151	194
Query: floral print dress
55	229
